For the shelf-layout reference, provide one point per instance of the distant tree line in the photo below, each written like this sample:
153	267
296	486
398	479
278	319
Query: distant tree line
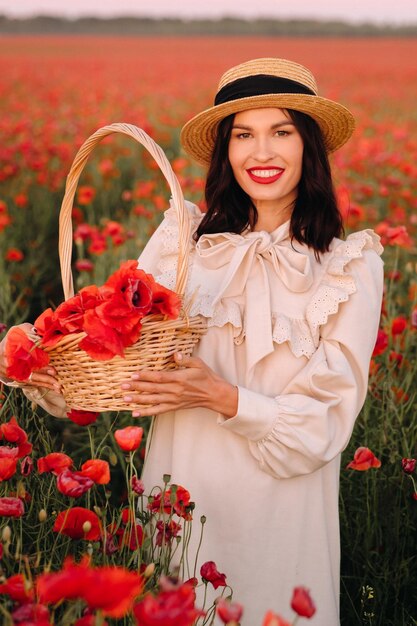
142	26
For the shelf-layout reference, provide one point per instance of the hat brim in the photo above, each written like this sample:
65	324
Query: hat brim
335	121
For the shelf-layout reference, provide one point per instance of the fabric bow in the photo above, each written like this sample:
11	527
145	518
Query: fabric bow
248	259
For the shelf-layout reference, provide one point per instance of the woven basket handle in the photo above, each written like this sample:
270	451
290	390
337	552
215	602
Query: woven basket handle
65	221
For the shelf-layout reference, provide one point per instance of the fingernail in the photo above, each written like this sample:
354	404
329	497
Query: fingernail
51	372
135	414
127	398
179	356
135	377
126	386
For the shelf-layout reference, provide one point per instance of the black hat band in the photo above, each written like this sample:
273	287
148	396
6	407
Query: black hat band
259	85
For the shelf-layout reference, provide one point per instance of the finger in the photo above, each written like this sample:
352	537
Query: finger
145	398
142	386
187	361
43	380
149	411
155	376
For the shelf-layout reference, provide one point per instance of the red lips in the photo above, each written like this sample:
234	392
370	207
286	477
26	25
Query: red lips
265	175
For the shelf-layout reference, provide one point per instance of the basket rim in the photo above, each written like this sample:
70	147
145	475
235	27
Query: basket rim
65	217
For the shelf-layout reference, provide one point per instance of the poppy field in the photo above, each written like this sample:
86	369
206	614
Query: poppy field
75	518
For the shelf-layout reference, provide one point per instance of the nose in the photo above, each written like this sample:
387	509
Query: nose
263	150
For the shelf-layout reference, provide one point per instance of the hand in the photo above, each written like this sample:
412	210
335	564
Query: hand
45	377
195	384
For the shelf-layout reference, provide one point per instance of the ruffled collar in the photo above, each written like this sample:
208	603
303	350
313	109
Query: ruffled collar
246	261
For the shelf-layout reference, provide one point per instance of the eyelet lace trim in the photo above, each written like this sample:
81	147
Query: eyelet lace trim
338	284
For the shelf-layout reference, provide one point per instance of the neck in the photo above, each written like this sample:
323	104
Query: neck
271	217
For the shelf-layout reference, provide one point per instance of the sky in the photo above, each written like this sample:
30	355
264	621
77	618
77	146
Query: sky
378	11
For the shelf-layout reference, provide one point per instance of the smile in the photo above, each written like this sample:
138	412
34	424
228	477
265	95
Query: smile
265	176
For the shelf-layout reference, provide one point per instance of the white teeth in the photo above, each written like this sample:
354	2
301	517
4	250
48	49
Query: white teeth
265	173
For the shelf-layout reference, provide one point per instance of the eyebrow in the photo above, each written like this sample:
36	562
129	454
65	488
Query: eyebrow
273	127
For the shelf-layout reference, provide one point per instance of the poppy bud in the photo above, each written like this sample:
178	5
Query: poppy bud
87	526
112	459
26	466
6	534
149	570
42	515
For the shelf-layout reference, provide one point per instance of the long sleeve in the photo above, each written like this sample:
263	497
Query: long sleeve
310	422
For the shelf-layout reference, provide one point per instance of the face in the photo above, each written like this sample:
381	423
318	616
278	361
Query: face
265	152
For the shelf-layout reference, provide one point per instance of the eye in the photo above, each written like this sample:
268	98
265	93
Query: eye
282	133
243	135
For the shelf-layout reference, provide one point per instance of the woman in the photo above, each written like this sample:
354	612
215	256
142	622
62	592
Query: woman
253	424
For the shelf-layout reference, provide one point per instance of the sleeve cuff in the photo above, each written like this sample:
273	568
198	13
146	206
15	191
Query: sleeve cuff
255	417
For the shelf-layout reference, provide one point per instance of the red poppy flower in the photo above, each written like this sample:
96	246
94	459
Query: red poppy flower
71	521
92	585
102	342
17	588
49	328
14	255
56	462
381	343
11	507
128	533
9	453
271	619
408	465
363	460
164	300
31	615
398	325
84	265
85	194
97	470
67	584
166	532
129	438
302	603
73	484
8	468
174	607
82	232
210	574
91	297
130	288
82	418
22	356
181	505
125	587
229	611
70	314
5	220
131	536
13	433
137	485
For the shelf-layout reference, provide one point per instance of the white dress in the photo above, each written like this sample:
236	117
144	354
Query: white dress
296	337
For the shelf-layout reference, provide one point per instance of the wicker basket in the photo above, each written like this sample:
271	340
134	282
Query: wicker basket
91	385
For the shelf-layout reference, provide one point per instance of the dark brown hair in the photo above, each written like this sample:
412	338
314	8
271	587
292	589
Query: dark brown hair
315	219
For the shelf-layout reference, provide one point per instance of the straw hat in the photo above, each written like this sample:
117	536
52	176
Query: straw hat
263	83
